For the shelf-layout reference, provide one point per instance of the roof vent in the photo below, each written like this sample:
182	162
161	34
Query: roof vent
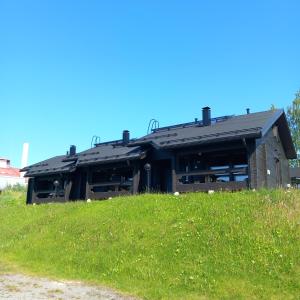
72	150
126	137
206	116
248	111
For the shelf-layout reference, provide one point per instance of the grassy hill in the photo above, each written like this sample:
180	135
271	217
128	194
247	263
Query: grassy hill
194	246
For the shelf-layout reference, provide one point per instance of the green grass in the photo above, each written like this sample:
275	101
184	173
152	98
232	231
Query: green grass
194	246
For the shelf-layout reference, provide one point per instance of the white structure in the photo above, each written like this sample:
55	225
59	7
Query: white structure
24	161
10	176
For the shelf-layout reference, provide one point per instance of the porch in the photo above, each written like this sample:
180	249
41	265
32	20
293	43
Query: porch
112	180
201	170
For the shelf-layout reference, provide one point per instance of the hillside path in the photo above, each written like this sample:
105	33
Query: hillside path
23	287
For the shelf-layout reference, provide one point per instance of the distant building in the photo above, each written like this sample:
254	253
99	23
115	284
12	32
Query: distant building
9	175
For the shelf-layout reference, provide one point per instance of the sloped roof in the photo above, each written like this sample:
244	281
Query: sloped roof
107	152
231	128
10	171
50	166
103	153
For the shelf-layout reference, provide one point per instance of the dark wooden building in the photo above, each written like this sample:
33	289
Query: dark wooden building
225	153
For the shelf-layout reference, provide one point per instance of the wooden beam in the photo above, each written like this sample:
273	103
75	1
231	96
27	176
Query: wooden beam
30	191
173	173
68	190
87	185
252	166
136	178
107	183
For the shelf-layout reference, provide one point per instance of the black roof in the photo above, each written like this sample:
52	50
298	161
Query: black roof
50	166
254	125
107	152
102	153
222	129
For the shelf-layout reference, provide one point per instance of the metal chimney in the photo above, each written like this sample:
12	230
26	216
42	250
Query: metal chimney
206	116
126	137
72	150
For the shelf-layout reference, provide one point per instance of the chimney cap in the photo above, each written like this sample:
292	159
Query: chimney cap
206	116
126	137
72	150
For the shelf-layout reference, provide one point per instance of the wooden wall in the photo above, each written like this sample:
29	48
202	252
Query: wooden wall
270	156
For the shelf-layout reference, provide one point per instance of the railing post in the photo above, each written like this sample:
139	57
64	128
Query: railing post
174	176
136	178
87	185
147	168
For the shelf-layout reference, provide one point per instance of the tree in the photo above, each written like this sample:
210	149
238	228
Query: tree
293	117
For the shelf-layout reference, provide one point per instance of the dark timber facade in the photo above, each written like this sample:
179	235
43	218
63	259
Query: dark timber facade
226	153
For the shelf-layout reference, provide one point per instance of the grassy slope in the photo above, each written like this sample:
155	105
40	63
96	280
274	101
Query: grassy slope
195	246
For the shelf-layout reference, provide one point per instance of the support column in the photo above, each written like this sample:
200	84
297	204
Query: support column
231	176
173	174
87	185
30	192
147	168
68	190
252	166
136	178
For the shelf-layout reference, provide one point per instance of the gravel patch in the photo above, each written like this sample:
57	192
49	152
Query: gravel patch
23	287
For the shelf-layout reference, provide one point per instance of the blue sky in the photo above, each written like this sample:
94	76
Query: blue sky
73	69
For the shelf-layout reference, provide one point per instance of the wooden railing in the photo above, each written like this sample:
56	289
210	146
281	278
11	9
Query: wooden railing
106	195
51	196
92	194
218	185
224	172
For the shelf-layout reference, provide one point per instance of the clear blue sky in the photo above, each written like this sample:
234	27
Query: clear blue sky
72	69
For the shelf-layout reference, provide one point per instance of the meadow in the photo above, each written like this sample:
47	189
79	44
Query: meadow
192	246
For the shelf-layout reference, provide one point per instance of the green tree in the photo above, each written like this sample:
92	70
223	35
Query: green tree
293	116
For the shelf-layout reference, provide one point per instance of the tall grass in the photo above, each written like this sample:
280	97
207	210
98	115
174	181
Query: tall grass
194	246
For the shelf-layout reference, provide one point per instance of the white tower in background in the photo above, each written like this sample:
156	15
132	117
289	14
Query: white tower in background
24	161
